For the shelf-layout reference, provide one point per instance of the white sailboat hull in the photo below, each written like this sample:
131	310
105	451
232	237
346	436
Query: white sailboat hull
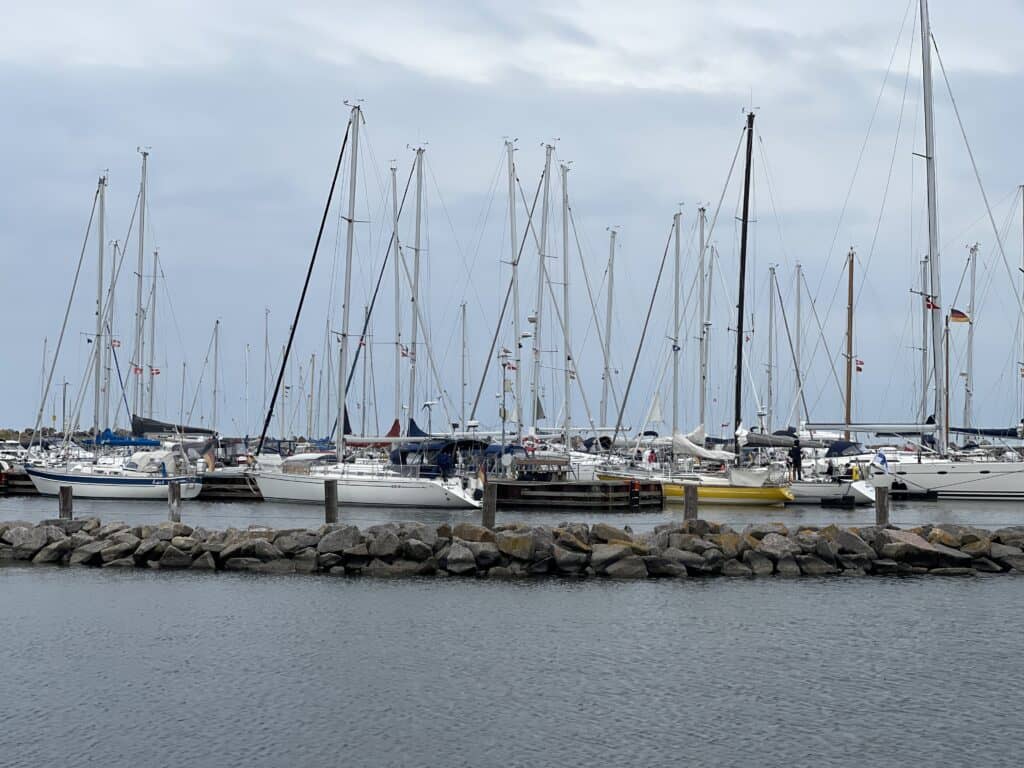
87	485
849	491
960	479
368	490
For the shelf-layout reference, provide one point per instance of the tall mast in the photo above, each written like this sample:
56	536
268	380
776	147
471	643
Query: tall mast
567	377
414	335
743	280
398	292
849	341
933	229
535	389
266	354
151	317
704	318
675	331
108	343
925	318
309	408
517	350
98	344
364	342
607	378
245	421
969	380
798	329
216	367
771	347
462	399
139	311
350	232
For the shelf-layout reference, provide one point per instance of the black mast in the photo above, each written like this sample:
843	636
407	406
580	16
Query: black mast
743	279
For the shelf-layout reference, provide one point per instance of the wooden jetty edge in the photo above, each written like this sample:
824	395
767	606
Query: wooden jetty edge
683	549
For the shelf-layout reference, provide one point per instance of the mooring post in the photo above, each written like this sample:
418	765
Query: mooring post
689	501
64	503
330	501
490	505
881	505
174	501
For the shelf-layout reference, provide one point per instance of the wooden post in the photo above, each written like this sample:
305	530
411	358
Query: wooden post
330	501
64	503
689	501
881	505
174	501
490	505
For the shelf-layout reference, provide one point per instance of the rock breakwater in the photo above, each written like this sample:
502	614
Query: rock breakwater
695	548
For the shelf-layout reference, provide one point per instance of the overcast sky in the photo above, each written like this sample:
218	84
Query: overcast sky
242	107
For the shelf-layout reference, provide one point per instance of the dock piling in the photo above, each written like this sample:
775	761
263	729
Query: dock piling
490	505
174	501
689	501
882	505
330	501
64	503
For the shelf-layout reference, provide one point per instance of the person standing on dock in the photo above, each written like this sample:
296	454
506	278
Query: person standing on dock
796	456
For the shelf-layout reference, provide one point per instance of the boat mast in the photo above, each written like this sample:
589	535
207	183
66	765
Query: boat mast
98	345
354	120
398	294
798	327
462	401
216	366
925	317
607	378
675	331
540	286
568	374
933	230
151	316
108	344
849	341
363	342
413	340
969	380
744	225
704	317
246	419
771	347
516	329
309	409
139	311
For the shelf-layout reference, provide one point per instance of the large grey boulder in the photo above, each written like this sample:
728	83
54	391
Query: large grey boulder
985	565
400	568
760	530
758	563
259	548
89	553
419	531
1016	562
175	558
787	566
662	567
733	567
110	529
150	549
292	541
472	532
777	547
459	559
117	550
604	555
812	565
353	557
517	544
306	560
850	543
572	539
204	562
885	567
384	544
25	542
414	549
337	541
630	567
485	552
605	533
567	560
54	552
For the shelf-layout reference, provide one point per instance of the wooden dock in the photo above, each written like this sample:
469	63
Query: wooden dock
604	495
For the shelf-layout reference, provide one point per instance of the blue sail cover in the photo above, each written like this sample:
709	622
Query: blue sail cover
118	441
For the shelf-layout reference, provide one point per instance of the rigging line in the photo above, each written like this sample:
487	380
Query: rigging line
67	314
771	199
643	336
792	352
725	187
504	305
821	332
305	288
202	375
867	136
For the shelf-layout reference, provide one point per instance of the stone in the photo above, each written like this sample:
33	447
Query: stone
953	555
184	543
25	541
728	543
758	563
760	530
259	548
150	549
292	542
53	532
777	546
328	561
500	572
414	549
337	541
606	533
306	560
952	571
121	562
485	552
384	544
168	530
985	565
274	567
943	536
89	553
812	565
978	548
541	567
11	525
6	553
629	567
1011	536
111	528
683	557
826	549
353	557
998	551
1016	562
117	550
733	567
663	567
204	562
242	564
712	556
175	558
698	527
568	560
397	568
419	531
459	560
786	566
472	532
856	562
567	539
850	543
604	555
884	566
517	544
54	552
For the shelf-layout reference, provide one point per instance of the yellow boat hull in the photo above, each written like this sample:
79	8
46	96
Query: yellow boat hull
765	496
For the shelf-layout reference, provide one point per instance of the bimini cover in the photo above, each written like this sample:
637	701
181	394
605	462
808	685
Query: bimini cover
688	445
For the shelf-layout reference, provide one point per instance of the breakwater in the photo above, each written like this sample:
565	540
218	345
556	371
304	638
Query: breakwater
694	548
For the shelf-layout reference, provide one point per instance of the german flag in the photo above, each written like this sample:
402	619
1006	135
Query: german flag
956	316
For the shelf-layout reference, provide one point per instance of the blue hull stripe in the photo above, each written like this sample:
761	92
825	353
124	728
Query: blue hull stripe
95	480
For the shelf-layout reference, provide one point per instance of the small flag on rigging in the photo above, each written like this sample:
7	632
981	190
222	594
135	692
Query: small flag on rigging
956	316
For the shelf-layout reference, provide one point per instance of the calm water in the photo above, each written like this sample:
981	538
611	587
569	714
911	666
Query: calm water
180	669
986	514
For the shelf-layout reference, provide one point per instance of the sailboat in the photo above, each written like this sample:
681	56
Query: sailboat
364	483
